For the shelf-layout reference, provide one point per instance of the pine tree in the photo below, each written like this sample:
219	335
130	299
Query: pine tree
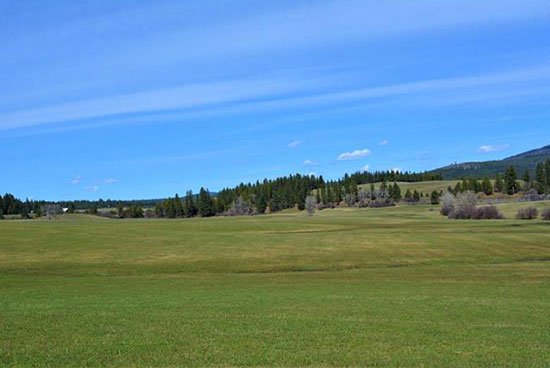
416	196
120	210
189	207
396	192
526	181
169	208
540	177
318	196
178	207
458	188
261	202
486	186
206	205
510	181
434	197
499	184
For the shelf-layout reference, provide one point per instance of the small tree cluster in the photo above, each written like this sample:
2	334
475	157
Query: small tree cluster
134	211
542	177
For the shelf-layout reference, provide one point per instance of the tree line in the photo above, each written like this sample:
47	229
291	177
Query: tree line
509	182
292	191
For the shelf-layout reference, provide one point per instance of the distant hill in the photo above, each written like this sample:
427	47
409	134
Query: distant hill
524	161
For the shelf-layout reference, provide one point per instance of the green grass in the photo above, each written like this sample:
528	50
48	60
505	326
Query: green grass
426	187
397	286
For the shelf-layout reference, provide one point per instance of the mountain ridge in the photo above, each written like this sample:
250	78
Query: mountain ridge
525	161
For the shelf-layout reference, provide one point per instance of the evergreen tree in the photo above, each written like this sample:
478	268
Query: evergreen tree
510	181
261	203
159	212
396	192
323	194
408	195
120	210
434	197
416	196
206	205
526	181
499	184
540	177
486	186
178	207
169	209
458	188
474	185
372	191
189	207
330	196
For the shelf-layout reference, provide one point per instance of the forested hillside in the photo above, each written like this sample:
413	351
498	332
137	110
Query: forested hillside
526	161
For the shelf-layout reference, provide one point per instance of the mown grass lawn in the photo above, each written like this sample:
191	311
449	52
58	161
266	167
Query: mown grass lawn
388	287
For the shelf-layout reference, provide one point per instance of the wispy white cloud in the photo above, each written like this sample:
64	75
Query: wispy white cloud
182	97
396	169
311	173
77	179
110	181
294	143
383	142
281	28
92	188
309	163
237	97
486	148
354	155
365	168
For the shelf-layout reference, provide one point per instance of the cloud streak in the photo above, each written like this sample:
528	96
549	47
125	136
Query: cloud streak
487	148
253	95
92	188
294	143
354	155
77	179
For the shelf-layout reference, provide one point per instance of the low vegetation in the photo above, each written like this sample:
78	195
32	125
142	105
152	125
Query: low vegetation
527	213
361	189
464	206
396	286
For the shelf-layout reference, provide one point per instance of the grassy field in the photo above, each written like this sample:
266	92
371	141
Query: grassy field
398	286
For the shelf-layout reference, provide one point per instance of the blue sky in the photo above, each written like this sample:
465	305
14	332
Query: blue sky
141	99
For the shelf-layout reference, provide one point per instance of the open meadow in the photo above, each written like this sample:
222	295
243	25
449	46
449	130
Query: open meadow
400	286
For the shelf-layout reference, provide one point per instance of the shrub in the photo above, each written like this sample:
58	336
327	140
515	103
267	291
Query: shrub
487	213
381	202
545	214
464	206
447	207
527	213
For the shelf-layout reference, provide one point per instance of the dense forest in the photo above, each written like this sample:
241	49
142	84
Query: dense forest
292	191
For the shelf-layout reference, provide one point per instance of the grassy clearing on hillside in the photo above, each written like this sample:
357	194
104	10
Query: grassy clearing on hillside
391	287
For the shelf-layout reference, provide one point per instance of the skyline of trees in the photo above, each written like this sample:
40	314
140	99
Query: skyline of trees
273	195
